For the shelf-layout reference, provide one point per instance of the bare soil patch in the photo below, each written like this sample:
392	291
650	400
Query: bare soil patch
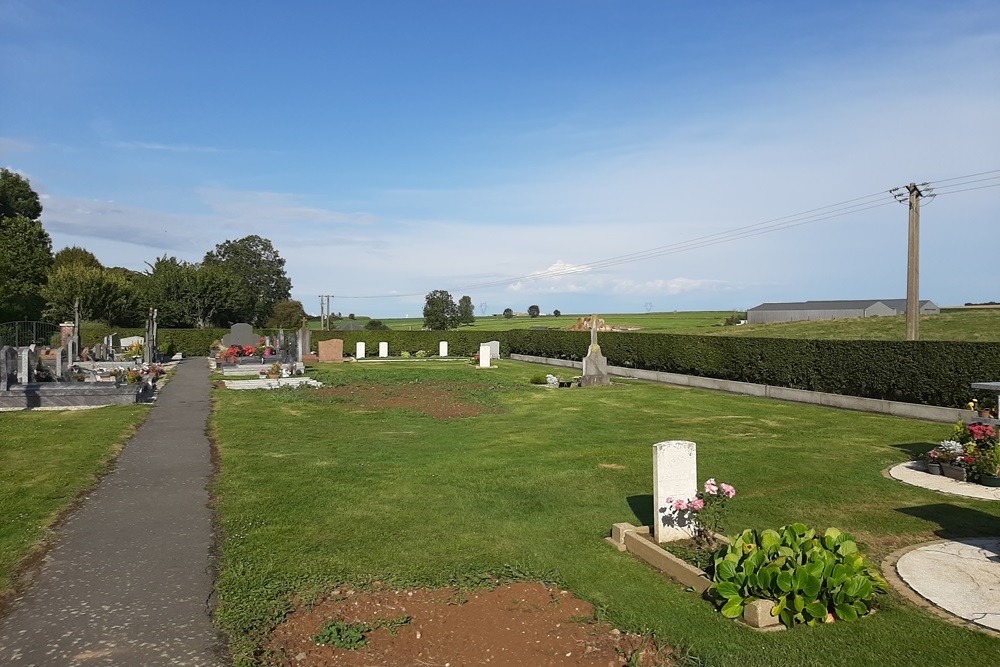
520	625
440	400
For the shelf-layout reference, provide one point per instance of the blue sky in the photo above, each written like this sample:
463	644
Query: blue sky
401	147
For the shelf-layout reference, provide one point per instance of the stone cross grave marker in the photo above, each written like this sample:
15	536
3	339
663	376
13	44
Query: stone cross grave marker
241	334
443	348
675	477
484	355
383	350
595	364
359	350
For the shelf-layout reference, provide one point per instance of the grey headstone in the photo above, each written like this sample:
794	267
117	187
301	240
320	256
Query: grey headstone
59	363
8	367
241	334
25	371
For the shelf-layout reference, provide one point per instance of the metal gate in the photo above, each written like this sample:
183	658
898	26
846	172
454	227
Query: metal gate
26	332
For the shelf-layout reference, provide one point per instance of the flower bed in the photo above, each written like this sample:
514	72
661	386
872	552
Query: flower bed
971	454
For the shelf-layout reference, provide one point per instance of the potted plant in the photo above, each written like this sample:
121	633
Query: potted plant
988	466
950	455
933	464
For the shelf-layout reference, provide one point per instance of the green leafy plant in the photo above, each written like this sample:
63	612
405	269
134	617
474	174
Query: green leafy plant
537	379
352	636
810	578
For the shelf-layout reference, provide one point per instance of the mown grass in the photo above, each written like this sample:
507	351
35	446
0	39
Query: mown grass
316	491
972	325
46	459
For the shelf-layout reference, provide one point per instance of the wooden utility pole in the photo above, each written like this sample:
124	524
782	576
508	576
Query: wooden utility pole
913	266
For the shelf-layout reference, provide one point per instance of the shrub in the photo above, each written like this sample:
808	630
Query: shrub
537	379
421	354
809	578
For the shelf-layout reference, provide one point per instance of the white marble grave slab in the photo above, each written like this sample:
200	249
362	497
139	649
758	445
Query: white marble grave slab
675	477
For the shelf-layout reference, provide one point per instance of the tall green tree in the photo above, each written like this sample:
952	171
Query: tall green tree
262	270
466	311
440	311
508	313
25	249
287	314
75	255
534	311
105	295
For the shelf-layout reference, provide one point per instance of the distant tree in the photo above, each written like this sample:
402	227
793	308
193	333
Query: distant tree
75	255
375	325
508	313
534	311
262	270
17	197
104	295
350	316
466	310
25	249
25	257
440	311
287	314
556	313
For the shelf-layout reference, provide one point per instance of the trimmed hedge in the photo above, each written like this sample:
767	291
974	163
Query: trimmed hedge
191	342
927	372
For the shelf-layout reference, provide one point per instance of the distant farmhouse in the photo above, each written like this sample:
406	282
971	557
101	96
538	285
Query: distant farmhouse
767	313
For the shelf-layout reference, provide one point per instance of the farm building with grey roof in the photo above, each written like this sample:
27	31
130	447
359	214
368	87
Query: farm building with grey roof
794	311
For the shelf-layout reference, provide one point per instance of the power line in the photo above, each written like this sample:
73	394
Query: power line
830	211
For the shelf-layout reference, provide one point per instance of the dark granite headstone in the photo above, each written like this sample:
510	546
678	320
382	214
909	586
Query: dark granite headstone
8	367
241	334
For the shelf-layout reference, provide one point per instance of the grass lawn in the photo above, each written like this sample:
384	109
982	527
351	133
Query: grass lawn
319	488
46	459
976	325
973	325
690	322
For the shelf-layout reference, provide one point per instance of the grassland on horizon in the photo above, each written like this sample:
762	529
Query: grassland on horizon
957	324
333	489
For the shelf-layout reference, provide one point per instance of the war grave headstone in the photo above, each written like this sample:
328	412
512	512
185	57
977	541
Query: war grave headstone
595	364
443	348
383	350
675	477
494	349
485	352
359	350
331	350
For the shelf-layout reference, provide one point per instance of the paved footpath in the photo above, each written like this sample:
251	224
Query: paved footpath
129	581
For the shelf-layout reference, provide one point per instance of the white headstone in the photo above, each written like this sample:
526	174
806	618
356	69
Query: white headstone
383	349
484	355
359	349
443	348
675	477
494	349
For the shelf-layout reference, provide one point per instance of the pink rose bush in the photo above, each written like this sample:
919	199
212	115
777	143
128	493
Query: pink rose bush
705	512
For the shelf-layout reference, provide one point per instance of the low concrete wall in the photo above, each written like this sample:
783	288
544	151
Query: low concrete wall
73	394
896	408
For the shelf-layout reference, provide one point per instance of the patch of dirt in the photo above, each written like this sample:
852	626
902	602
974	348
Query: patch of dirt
440	400
611	466
520	625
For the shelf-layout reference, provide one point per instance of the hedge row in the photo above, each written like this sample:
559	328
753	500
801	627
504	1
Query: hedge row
927	372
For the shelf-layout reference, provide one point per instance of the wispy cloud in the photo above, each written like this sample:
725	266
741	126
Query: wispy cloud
564	278
169	148
9	145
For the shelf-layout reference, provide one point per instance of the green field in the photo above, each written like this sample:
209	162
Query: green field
334	487
982	325
46	460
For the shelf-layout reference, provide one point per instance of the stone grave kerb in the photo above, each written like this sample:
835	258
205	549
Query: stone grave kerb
675	477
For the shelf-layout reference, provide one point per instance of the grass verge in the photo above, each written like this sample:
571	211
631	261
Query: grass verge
47	459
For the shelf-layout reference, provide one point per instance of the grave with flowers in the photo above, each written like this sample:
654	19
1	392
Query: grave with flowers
771	579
